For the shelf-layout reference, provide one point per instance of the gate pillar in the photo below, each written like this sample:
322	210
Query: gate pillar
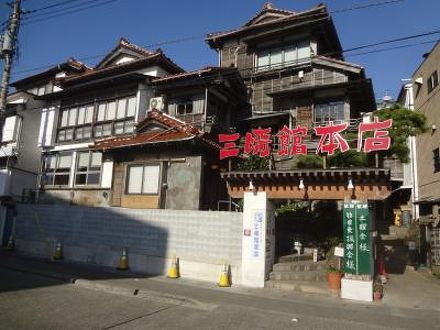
258	250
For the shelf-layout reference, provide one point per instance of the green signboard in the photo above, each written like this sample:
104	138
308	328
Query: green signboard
357	242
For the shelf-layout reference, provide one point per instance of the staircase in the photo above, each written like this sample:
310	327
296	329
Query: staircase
299	273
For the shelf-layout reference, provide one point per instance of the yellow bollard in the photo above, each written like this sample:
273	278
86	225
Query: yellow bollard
10	246
173	272
123	260
224	277
58	255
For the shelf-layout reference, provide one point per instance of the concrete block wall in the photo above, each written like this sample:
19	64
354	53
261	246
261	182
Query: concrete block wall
202	240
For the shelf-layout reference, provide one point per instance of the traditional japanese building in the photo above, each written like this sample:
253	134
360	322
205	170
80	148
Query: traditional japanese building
294	69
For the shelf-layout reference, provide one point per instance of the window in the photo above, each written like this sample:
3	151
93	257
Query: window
432	81
143	179
333	111
102	119
88	168
436	157
184	108
294	54
57	169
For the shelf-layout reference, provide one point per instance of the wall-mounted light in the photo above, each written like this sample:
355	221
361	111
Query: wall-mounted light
433	127
350	184
301	184
252	187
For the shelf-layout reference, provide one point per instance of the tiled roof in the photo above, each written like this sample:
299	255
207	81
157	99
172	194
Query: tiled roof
268	8
208	69
177	131
334	60
132	65
124	43
142	139
289	16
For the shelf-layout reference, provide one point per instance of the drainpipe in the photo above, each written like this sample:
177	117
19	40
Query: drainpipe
413	155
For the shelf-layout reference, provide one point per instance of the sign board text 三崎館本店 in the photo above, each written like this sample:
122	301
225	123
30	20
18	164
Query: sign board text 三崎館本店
290	141
357	241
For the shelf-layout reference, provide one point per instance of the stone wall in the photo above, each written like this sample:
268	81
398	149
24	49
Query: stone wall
202	240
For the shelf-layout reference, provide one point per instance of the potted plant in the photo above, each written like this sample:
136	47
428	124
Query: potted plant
334	276
334	273
377	291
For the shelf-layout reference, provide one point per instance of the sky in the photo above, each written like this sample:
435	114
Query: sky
89	34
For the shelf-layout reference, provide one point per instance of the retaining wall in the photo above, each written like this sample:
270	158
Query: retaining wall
202	240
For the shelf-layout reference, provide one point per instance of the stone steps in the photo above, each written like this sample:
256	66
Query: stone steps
295	258
299	286
309	276
305	265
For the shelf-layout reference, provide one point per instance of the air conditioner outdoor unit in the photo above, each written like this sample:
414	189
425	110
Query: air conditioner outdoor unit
157	103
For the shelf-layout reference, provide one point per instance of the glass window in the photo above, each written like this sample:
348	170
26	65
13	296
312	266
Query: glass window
119	127
113	117
89	114
263	61
290	55
135	179
72	116
101	112
122	104
150	182
128	126
303	50
276	58
57	169
333	111
81	115
131	107
432	81
64	116
106	129
111	110
88	168
143	179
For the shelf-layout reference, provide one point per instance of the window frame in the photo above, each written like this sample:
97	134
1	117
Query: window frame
436	159
54	172
292	47
186	104
143	165
330	106
67	133
433	81
89	170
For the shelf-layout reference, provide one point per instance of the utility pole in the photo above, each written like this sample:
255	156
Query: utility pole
7	51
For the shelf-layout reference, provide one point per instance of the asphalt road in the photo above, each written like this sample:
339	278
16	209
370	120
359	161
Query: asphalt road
32	301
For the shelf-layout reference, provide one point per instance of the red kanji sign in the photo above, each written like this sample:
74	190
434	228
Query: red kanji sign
230	147
290	141
258	142
331	138
380	139
291	138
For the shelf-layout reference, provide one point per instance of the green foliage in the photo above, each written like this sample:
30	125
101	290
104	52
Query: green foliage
350	158
253	163
309	161
406	123
319	226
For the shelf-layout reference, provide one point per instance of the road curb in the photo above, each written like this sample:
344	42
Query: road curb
143	294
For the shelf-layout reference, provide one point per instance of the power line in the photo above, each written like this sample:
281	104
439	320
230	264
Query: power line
99	4
62	3
183	39
394	47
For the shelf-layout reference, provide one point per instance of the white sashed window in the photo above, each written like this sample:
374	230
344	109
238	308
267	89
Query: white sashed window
143	179
10	129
